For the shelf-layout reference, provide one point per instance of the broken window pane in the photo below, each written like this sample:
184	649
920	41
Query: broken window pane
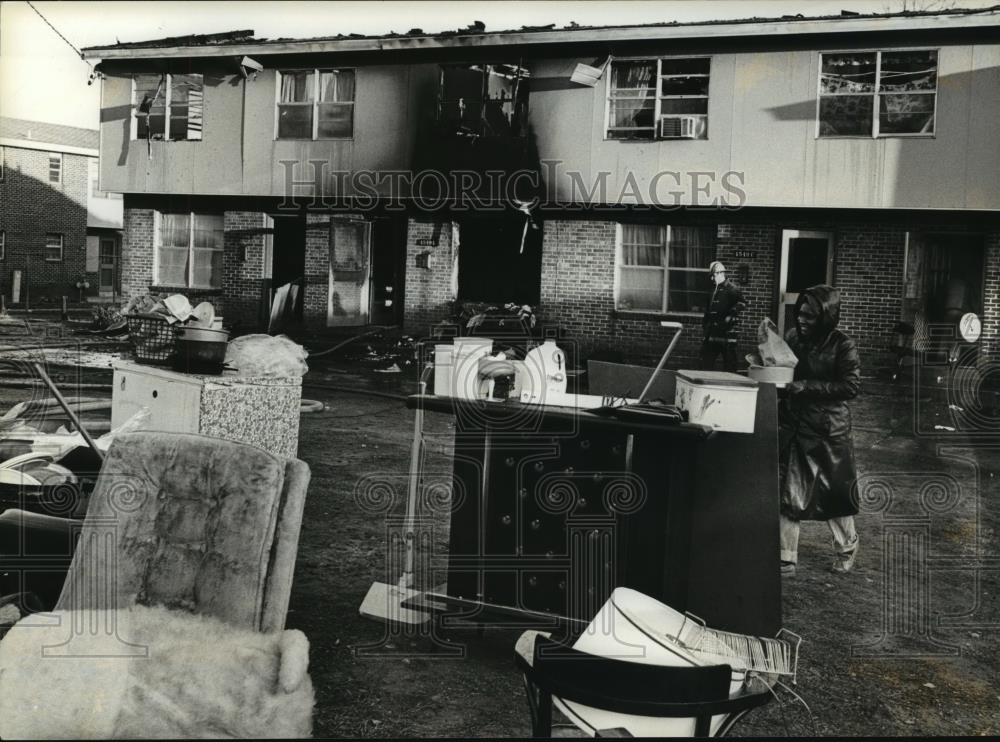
686	66
683	86
906	114
848	73
150	105
633	78
626	116
186	106
905	71
846	115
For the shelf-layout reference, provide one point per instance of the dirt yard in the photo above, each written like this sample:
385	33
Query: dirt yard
881	656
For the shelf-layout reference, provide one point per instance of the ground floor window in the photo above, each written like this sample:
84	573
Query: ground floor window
189	250
663	268
53	247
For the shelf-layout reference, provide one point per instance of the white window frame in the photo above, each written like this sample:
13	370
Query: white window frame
169	83
876	102
314	103
62	245
56	158
665	268
659	98
158	243
3	163
3	244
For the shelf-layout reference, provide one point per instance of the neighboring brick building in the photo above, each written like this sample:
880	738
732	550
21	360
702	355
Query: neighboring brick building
56	228
797	150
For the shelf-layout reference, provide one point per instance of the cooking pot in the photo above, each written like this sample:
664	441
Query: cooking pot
200	350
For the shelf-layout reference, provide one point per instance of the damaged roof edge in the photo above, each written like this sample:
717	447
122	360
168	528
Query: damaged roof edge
984	18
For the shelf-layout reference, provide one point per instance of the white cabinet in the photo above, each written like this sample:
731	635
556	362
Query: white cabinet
258	410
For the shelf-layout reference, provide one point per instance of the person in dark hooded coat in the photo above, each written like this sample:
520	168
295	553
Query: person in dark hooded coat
816	463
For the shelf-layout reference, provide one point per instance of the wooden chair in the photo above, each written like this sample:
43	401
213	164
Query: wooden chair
555	670
192	522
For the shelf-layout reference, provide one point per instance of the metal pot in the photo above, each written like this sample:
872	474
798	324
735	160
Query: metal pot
200	350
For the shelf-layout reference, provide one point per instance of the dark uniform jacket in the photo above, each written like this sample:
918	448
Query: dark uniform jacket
817	458
724	307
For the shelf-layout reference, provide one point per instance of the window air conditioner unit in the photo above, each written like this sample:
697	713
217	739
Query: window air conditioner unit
678	127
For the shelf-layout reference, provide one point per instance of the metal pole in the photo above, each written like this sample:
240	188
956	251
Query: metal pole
65	405
670	348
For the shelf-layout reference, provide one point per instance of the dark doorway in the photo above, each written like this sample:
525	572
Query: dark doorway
492	264
943	282
289	257
388	270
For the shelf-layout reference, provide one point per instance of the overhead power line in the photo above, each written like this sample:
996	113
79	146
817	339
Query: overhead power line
56	30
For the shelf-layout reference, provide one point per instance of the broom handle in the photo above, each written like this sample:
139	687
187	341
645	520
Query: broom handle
670	349
69	411
416	455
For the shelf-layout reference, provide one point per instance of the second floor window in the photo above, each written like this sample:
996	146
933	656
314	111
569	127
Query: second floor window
168	106
315	104
873	94
189	250
662	268
53	247
483	99
659	98
3	244
55	167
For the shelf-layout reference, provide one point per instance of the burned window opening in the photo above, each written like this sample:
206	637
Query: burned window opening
489	100
169	106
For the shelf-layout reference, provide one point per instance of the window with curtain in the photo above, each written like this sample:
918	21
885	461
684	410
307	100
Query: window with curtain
168	106
664	98
316	104
880	93
189	250
664	268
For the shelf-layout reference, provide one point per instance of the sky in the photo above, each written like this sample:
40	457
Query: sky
43	79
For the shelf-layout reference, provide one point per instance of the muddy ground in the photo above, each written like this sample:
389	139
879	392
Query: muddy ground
879	657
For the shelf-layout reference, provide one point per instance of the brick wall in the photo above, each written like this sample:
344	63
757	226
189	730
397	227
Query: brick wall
578	280
428	290
30	207
868	270
317	289
242	267
137	251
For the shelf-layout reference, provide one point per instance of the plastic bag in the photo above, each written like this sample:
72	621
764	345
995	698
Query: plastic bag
263	355
774	351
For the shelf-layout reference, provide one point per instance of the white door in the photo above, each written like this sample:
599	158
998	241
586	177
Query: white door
806	260
350	273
